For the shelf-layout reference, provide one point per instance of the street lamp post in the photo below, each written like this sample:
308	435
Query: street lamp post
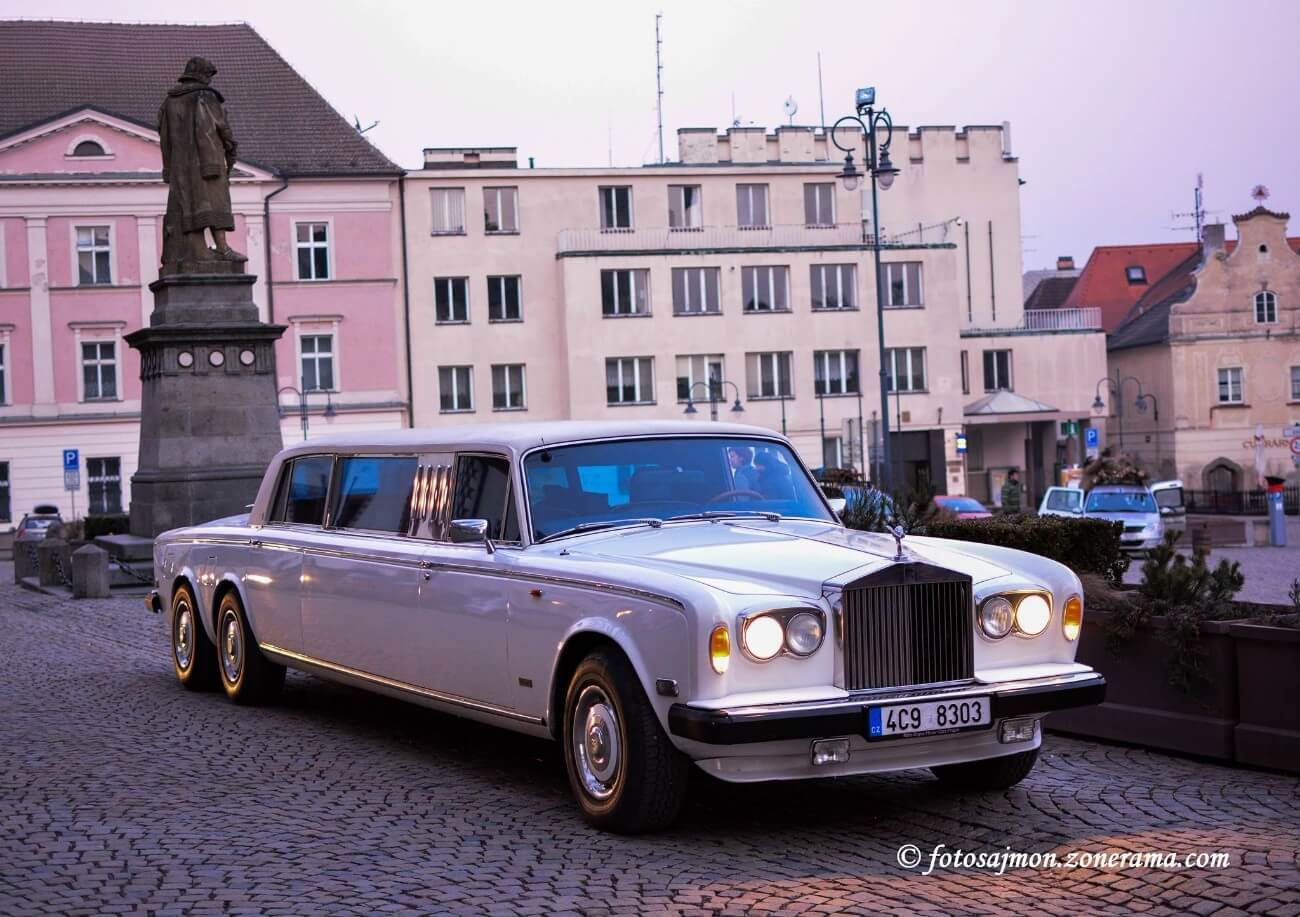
1116	388
714	388
877	165
302	405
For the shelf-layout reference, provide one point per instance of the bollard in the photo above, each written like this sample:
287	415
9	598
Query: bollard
49	559
25	563
90	573
1276	512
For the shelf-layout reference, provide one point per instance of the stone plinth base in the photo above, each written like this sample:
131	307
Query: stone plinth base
210	422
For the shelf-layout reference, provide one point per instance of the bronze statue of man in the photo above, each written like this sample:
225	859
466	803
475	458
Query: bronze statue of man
198	152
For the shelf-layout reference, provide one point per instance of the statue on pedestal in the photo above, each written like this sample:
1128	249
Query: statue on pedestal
198	152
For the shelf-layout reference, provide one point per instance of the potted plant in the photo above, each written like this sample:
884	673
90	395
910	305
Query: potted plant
1268	685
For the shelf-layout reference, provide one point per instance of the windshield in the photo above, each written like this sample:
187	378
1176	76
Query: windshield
34	525
962	504
660	479
1120	501
1067	500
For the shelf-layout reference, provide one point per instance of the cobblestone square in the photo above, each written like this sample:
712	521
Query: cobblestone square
120	792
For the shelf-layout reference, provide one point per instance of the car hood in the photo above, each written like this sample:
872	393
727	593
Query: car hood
760	558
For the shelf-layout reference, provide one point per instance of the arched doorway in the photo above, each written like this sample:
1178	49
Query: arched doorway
1222	479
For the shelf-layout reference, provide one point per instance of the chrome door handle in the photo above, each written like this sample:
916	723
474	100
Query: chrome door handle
255	543
427	569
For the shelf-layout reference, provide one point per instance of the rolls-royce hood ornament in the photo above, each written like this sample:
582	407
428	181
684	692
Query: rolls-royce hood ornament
898	532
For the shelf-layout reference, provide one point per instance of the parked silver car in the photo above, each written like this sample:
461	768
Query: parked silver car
1132	505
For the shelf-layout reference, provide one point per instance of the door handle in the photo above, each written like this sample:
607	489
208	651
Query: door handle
427	569
256	543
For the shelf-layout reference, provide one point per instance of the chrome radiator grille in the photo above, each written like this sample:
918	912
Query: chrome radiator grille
911	624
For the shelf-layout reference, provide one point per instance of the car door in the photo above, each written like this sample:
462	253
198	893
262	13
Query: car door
363	573
1062	501
466	609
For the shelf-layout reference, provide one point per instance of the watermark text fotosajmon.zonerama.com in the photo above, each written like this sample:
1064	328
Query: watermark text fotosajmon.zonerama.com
997	862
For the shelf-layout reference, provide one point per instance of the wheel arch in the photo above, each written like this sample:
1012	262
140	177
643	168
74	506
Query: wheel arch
579	644
224	587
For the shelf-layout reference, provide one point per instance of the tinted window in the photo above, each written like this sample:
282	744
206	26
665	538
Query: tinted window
375	493
1170	496
1064	500
483	492
302	496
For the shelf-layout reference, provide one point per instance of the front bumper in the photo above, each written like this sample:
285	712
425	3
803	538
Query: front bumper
818	719
153	602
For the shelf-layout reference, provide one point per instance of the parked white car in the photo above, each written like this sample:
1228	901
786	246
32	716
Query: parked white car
613	587
1061	501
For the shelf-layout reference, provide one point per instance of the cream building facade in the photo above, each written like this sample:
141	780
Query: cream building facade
1217	344
744	270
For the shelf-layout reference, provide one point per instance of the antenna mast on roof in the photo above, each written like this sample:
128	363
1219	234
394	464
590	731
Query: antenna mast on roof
821	99
1197	213
659	84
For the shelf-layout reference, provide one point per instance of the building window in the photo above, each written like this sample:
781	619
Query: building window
317	353
834	286
1295	383
767	375
751	207
88	148
94	256
766	289
835	372
508	392
451	300
629	380
104	478
313	244
4	378
833	452
1231	389
504	299
501	210
455	389
903	280
99	371
696	369
695	291
1265	307
819	204
625	292
965	372
6	511
1135	273
997	370
906	369
448	211
685	207
616	208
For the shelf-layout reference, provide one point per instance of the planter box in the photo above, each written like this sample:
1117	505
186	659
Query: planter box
1268	678
1143	708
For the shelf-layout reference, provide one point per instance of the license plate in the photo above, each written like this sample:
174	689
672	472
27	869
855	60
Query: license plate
928	718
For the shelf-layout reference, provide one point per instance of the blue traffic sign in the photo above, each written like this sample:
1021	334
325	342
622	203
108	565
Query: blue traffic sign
71	459
1092	438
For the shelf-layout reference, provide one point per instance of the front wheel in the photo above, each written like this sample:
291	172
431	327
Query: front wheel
624	771
248	677
989	774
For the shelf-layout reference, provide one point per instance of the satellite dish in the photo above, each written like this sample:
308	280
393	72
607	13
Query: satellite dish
791	106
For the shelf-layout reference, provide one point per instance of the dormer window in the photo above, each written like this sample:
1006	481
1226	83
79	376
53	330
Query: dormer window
1265	308
89	148
1136	273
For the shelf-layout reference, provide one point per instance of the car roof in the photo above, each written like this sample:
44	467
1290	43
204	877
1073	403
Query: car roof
1121	488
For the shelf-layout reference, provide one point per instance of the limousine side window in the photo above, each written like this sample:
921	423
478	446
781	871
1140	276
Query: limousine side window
375	493
303	490
483	492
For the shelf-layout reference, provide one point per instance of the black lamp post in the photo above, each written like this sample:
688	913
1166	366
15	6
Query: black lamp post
714	388
1116	388
302	405
878	166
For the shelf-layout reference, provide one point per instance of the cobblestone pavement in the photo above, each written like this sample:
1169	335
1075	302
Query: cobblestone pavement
119	792
1268	570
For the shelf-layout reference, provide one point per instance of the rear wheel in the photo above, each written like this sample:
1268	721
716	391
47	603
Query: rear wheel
248	677
194	658
990	774
624	771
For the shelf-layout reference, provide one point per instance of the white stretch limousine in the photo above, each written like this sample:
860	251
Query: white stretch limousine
650	595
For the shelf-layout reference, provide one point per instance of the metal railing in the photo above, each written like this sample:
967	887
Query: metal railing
1037	321
1239	503
662	238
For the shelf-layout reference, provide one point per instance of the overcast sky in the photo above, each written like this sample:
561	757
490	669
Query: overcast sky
1114	106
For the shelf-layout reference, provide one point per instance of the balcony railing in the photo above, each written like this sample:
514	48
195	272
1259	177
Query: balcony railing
1036	321
662	238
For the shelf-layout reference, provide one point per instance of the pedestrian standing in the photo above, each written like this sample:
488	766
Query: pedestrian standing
1011	492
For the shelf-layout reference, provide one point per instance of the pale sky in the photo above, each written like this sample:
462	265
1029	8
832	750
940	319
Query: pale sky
1114	106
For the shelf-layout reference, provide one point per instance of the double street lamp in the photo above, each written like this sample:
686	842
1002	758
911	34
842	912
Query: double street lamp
1116	387
714	388
877	165
302	405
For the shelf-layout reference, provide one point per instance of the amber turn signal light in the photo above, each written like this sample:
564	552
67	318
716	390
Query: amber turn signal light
1072	620
720	649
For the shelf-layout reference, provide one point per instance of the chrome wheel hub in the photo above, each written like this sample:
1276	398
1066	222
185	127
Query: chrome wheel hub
597	742
232	647
183	636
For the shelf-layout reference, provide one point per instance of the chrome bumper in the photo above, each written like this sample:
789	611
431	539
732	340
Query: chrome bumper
818	719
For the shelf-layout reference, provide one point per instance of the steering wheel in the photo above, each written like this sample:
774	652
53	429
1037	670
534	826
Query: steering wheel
741	492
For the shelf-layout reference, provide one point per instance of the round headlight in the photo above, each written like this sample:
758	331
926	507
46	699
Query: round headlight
1032	615
764	637
996	617
803	633
1072	619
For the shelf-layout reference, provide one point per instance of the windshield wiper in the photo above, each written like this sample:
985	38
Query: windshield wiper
730	514
653	521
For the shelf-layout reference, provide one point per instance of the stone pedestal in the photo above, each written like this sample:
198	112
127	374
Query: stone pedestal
90	573
210	422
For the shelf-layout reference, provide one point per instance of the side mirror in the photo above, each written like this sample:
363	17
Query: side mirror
471	531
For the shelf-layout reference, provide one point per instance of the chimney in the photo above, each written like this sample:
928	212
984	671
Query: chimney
1065	262
1212	238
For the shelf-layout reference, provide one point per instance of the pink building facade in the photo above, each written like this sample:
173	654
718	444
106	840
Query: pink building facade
80	238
